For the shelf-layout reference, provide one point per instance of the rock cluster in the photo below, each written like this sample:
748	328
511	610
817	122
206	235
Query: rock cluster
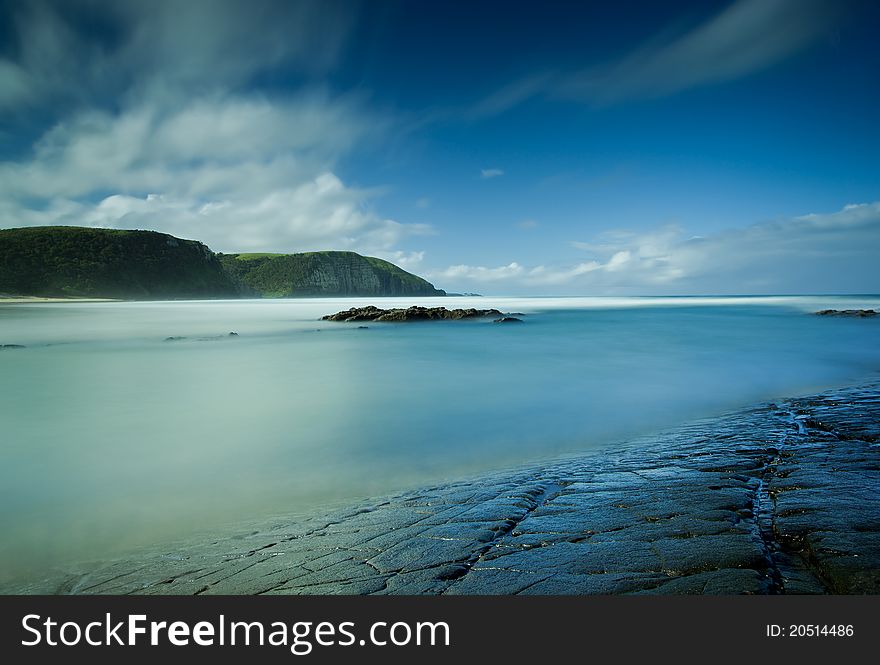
415	313
857	313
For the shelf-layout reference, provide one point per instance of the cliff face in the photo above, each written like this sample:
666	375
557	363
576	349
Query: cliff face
108	263
323	274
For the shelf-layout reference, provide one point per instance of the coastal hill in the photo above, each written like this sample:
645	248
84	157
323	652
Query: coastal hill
323	274
67	261
107	263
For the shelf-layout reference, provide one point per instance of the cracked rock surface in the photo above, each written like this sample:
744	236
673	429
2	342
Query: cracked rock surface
778	499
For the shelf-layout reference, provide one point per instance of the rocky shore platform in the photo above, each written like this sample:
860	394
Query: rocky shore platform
782	498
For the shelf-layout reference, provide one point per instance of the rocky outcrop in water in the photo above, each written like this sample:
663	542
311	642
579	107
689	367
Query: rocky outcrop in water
212	338
373	313
855	313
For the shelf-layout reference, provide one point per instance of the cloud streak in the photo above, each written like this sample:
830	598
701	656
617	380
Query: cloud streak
746	37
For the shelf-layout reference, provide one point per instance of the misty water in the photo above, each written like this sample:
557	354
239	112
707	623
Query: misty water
114	437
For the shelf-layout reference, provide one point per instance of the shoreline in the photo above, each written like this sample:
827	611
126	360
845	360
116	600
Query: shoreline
19	300
779	498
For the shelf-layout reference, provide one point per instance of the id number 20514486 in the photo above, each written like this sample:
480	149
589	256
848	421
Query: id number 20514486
810	630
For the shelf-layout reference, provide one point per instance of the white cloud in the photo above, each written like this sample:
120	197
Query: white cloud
316	214
239	173
186	146
543	276
528	224
490	173
212	142
618	261
514	274
406	260
465	273
816	253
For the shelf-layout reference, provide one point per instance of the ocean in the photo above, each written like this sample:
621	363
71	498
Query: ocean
115	436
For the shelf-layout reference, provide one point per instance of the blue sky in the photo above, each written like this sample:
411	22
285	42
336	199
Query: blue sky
498	147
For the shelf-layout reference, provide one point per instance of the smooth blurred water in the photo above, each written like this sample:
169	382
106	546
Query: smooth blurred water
113	437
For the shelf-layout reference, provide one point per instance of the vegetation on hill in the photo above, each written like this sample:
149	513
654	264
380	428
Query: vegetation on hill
68	261
323	274
108	263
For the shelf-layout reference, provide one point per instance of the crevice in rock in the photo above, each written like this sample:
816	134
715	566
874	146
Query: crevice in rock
548	491
789	559
762	509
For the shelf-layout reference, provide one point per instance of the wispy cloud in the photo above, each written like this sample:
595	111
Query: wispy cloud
163	47
746	37
817	253
490	173
527	224
510	95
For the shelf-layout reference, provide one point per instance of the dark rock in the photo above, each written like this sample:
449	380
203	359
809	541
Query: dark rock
415	313
508	319
854	313
213	338
368	313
